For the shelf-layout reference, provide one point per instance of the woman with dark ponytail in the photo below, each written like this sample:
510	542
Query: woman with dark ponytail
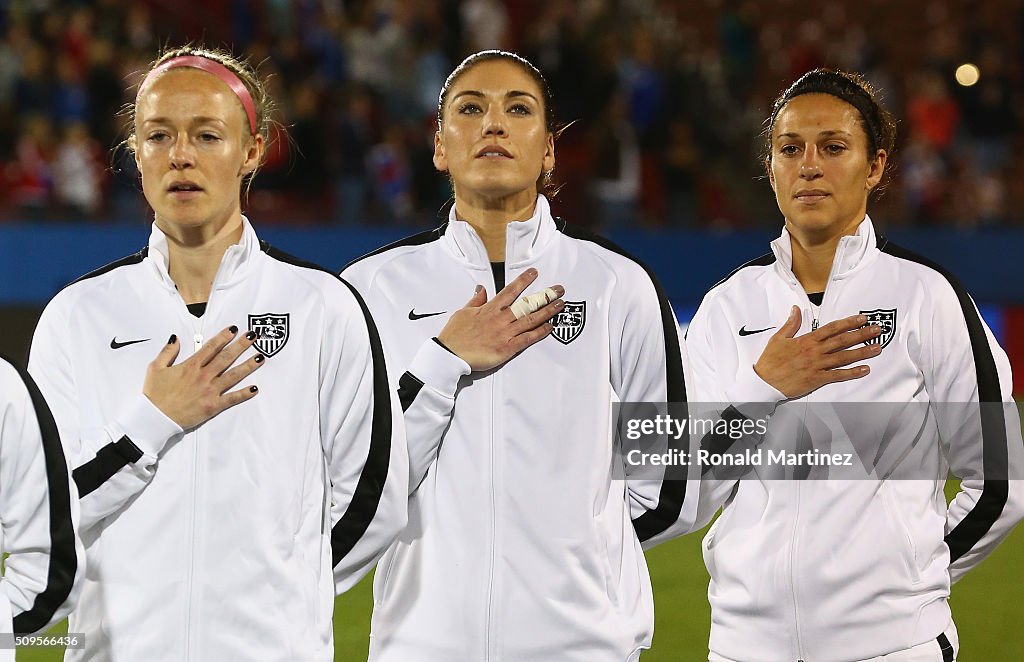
852	559
525	542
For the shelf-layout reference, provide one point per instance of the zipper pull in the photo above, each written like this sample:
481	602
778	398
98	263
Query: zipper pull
198	339
814	327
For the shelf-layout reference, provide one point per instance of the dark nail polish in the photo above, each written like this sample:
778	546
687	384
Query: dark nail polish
258	358
253	389
233	329
251	335
173	339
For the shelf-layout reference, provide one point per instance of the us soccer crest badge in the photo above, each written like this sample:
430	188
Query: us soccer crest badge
271	331
885	319
568	323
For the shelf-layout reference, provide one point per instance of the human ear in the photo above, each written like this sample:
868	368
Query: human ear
876	170
768	169
253	155
440	160
549	154
133	145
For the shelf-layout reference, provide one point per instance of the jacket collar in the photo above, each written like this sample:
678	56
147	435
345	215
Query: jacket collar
524	240
853	252
233	265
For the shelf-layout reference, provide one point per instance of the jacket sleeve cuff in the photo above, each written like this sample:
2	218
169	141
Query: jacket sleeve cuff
438	368
752	396
147	427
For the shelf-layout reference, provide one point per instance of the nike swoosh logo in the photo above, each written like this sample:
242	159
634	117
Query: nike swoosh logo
744	332
118	345
414	316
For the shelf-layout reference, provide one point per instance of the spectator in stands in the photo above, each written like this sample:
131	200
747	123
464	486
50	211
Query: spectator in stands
78	172
687	63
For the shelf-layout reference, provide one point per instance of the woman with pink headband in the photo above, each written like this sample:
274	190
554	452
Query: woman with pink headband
256	466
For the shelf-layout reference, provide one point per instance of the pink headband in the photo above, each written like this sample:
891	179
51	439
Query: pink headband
225	75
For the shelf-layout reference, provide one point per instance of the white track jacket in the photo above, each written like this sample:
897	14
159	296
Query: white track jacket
521	546
226	541
38	513
842	570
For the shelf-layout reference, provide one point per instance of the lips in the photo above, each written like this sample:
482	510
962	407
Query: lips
184	189
810	196
493	152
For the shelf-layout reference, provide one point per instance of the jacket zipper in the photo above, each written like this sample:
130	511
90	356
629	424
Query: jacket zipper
197	343
792	575
795	540
489	625
815	323
198	338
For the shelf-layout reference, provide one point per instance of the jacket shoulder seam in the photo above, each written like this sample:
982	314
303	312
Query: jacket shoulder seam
419	239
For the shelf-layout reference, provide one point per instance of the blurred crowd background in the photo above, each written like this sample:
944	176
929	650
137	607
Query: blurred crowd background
664	101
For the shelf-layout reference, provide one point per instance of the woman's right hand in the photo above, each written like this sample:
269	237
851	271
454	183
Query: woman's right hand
796	365
486	334
196	390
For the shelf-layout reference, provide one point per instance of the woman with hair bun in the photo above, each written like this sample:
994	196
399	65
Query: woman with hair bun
232	484
524	542
820	567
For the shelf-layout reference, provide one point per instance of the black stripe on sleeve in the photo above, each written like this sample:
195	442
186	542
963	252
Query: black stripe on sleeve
719	443
63	559
673	486
370	488
108	461
945	647
986	511
363	506
408	388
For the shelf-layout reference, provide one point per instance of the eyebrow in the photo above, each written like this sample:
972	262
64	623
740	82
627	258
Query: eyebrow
821	134
510	94
195	120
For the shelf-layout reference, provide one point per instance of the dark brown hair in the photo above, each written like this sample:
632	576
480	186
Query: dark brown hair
879	125
546	182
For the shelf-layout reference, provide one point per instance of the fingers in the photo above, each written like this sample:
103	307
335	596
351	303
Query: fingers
214	345
838	359
840	326
538	317
233	376
233	398
523	306
792	325
225	358
524	340
850	338
478	299
168	353
511	292
846	374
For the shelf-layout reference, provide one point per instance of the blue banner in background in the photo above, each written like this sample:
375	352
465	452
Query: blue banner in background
36	260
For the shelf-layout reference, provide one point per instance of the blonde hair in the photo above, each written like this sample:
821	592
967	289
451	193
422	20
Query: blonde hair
246	73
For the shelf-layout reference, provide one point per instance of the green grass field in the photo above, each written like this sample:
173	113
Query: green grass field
985	606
